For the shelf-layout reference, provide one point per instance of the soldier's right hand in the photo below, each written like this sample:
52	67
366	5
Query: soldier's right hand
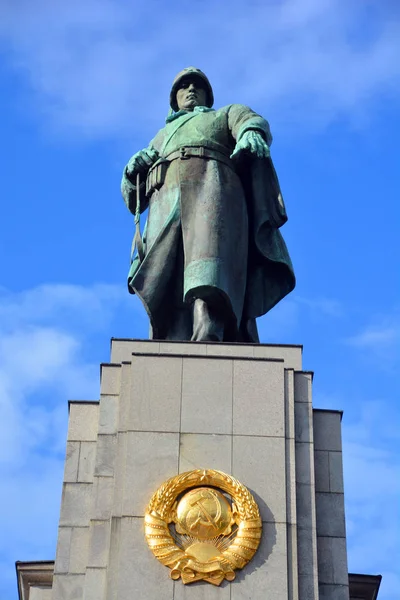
141	161
137	164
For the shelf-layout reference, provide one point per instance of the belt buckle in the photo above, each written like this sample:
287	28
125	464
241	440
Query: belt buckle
183	155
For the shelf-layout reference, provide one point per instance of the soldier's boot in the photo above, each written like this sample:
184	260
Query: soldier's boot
207	325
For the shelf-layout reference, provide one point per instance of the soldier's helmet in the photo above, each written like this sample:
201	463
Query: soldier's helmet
193	72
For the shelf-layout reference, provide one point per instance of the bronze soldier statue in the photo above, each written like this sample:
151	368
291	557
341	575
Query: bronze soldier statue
212	258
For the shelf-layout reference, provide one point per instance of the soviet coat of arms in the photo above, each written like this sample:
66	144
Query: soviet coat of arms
203	524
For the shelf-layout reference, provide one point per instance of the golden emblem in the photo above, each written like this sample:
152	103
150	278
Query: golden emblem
199	532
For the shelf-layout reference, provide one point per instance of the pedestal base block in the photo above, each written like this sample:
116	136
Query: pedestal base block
166	408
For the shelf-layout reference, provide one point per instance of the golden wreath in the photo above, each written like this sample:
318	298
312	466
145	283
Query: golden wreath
236	550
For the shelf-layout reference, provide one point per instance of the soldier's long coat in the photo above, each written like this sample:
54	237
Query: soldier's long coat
226	221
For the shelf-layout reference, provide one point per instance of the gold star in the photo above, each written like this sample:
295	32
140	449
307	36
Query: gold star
204	475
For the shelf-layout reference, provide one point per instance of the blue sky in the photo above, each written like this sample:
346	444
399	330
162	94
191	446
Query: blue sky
84	84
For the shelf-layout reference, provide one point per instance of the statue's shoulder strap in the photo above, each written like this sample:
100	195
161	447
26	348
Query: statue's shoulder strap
179	124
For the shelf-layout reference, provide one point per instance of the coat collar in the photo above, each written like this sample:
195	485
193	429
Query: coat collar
180	113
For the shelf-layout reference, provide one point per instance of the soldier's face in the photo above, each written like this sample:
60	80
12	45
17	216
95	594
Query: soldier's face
190	93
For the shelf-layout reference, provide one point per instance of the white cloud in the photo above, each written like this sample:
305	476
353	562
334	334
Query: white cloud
104	68
379	341
328	307
38	360
42	360
44	335
92	306
282	324
375	336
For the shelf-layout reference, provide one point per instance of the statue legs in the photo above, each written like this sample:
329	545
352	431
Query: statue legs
197	322
207	325
205	316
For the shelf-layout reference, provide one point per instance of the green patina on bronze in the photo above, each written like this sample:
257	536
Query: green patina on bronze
212	249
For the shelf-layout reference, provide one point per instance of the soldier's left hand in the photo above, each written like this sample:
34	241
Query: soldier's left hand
251	142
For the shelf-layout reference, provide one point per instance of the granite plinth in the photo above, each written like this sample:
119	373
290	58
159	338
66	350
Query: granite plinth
169	407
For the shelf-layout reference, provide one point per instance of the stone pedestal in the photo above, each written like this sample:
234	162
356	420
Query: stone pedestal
168	407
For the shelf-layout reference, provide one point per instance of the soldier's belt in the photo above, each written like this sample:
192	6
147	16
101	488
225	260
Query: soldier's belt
186	152
156	175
